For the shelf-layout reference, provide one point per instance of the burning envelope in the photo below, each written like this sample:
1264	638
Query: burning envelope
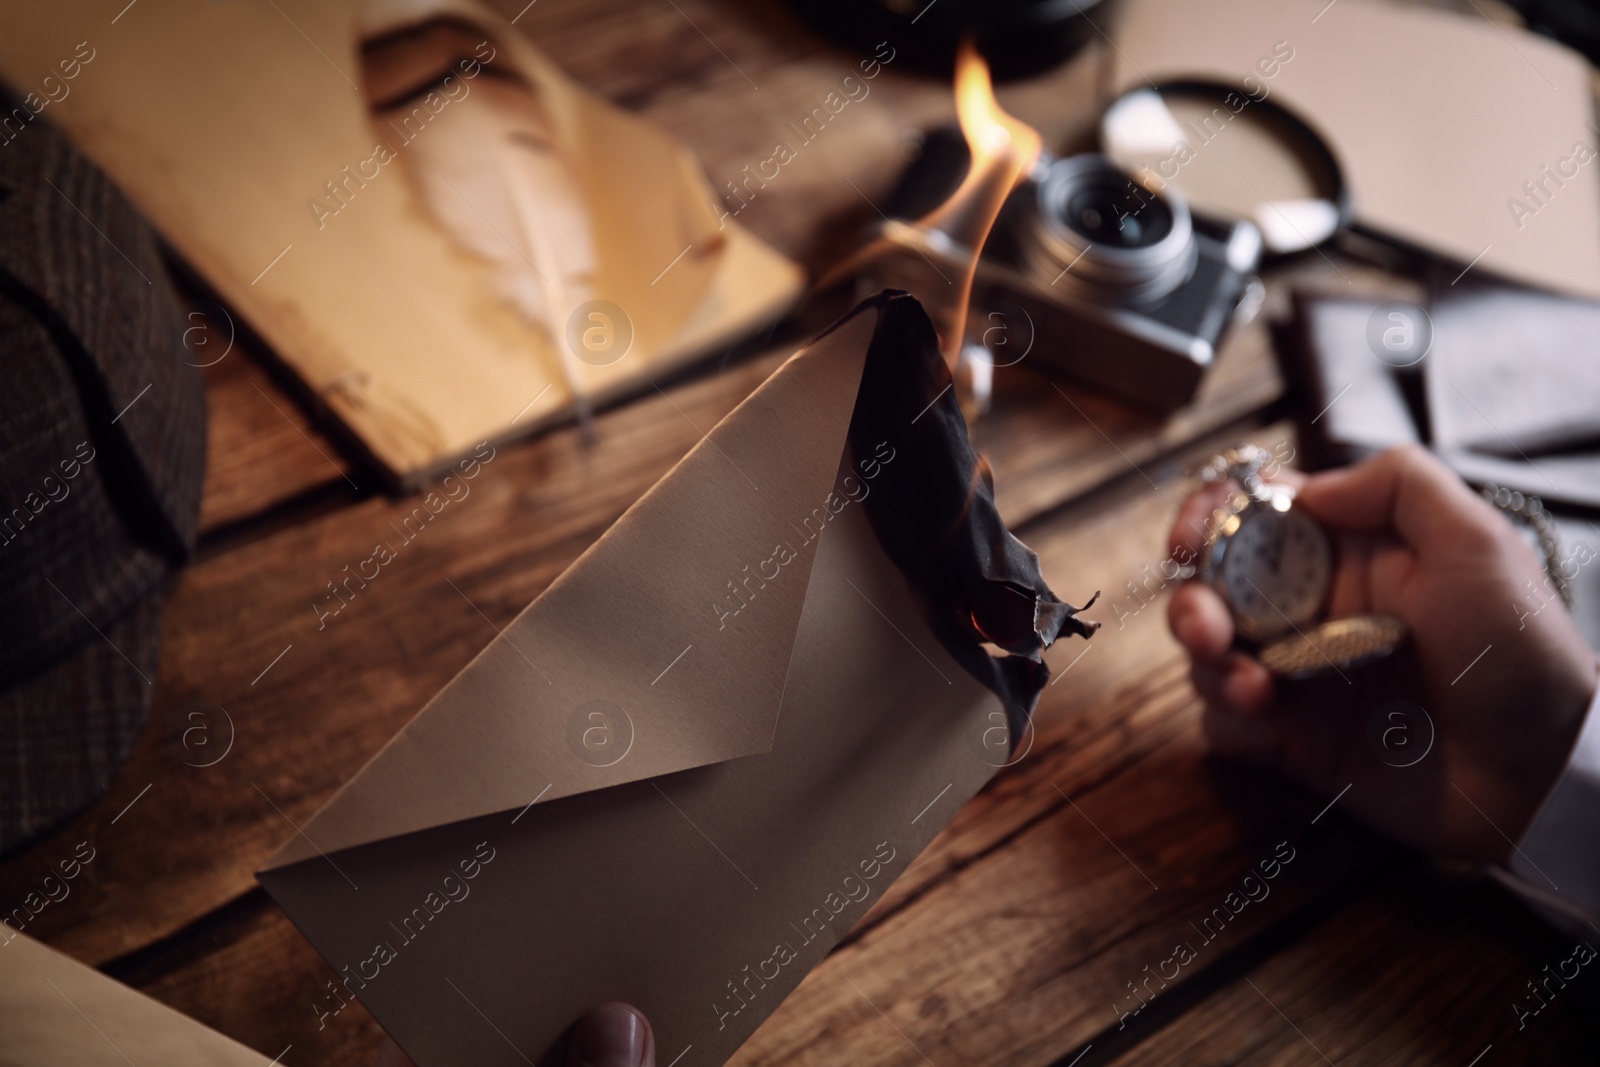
683	772
1003	149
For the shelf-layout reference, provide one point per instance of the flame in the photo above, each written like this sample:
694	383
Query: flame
1003	149
989	130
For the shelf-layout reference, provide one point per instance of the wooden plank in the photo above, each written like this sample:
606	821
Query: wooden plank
1006	940
194	840
1011	937
343	686
1034	414
243	644
309	704
271	994
261	449
1429	970
1047	927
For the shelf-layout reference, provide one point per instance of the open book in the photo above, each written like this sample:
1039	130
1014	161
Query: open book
444	237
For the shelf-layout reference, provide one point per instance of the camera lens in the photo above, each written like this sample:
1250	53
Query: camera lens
1098	232
1116	213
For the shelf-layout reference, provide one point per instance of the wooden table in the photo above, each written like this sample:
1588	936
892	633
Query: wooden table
1021	935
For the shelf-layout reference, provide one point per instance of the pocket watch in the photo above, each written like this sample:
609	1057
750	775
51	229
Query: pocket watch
1273	566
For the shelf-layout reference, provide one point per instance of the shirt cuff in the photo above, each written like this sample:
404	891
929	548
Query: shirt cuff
1557	862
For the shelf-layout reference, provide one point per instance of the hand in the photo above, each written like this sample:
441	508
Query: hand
1412	541
610	1035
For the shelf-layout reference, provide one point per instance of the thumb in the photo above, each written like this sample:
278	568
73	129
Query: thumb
1405	491
612	1035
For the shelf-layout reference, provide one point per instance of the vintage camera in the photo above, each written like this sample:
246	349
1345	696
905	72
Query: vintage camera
1098	276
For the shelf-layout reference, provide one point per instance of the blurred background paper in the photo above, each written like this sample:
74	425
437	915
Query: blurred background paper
1438	119
1515	372
417	252
1506	392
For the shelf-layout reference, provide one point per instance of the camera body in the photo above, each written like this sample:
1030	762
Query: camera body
1092	274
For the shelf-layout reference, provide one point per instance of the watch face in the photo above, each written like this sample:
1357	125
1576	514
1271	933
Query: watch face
1276	571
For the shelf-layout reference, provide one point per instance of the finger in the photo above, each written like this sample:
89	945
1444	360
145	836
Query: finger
1237	684
1200	621
612	1035
1392	566
1278	474
1257	741
1207	681
1405	490
1196	515
1352	576
1247	687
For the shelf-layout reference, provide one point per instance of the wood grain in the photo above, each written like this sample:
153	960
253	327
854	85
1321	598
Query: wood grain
261	449
241	636
1424	971
1027	914
1012	938
304	723
249	974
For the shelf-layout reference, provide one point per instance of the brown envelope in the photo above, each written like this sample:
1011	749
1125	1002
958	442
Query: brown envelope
683	772
55	1011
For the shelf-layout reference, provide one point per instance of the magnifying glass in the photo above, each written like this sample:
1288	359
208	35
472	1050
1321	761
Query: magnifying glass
1231	155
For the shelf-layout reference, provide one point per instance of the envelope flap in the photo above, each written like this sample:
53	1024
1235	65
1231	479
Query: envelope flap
664	647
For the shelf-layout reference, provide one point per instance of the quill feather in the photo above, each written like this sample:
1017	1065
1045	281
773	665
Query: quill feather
487	167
